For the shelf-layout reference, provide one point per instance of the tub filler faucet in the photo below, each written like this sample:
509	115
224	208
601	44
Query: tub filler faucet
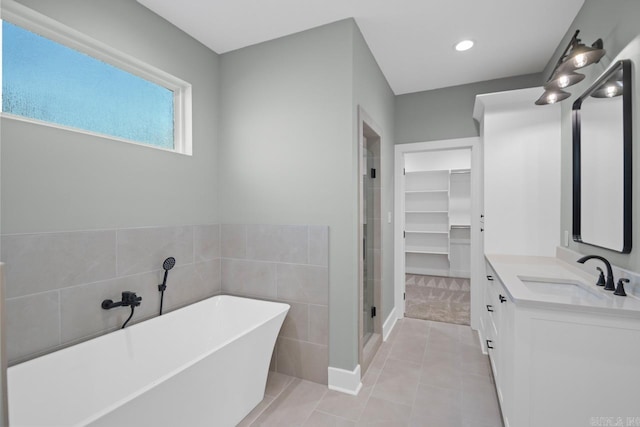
129	299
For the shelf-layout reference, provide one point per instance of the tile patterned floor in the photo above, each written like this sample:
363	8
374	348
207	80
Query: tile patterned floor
443	299
427	374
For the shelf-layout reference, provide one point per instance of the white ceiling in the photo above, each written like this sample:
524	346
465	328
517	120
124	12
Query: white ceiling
412	40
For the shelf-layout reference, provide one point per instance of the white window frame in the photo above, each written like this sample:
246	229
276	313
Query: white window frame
40	24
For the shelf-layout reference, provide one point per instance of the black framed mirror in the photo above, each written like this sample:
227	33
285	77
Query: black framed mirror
602	161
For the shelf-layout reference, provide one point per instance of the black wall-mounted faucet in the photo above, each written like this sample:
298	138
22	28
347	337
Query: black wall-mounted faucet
608	286
129	299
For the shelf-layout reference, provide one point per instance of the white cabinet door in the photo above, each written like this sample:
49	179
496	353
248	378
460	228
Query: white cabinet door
521	145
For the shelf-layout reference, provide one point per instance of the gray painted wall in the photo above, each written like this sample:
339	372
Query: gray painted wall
373	93
288	140
56	180
447	113
617	24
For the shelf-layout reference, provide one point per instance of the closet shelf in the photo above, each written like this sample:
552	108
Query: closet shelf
460	171
460	241
427	232
426	251
444	191
429	172
427	212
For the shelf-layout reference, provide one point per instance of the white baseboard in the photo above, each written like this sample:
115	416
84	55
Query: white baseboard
345	381
389	324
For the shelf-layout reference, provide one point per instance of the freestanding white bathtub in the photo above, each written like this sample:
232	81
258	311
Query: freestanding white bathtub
202	365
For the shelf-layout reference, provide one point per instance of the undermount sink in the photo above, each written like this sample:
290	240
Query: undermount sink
561	289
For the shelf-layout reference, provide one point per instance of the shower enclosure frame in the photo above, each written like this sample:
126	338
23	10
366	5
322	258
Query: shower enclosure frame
368	130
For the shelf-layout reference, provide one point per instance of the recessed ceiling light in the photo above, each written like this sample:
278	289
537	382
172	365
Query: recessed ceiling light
464	45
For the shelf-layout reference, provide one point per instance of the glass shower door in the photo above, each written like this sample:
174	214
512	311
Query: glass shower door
370	246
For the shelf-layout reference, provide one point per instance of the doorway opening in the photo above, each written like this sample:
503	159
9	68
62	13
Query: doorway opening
437	234
438	247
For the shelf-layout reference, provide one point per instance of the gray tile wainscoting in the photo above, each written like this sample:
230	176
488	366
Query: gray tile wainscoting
55	282
286	263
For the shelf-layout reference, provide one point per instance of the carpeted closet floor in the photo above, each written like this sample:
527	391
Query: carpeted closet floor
442	299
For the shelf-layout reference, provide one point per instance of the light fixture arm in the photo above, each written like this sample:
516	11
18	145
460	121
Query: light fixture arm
574	41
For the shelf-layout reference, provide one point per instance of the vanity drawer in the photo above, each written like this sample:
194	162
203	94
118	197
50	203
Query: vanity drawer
492	310
495	299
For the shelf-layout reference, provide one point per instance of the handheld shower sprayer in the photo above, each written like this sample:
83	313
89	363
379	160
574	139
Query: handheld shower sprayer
167	265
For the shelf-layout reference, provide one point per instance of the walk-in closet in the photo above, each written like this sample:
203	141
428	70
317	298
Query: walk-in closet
437	217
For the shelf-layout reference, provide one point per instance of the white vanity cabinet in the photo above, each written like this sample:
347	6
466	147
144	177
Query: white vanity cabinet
557	365
498	340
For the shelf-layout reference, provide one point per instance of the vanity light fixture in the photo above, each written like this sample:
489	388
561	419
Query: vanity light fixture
464	45
582	55
576	55
551	96
562	80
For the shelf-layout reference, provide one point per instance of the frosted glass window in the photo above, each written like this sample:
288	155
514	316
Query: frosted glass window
47	81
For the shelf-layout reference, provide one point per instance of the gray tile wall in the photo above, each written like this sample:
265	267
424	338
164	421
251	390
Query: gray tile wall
55	282
286	263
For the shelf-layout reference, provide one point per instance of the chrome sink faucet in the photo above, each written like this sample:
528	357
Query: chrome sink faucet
608	286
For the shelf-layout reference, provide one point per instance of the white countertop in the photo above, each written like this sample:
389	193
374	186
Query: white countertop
512	270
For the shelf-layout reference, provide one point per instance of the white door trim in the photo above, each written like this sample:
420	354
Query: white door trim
476	210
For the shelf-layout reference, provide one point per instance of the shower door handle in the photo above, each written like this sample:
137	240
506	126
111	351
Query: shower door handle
364	249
